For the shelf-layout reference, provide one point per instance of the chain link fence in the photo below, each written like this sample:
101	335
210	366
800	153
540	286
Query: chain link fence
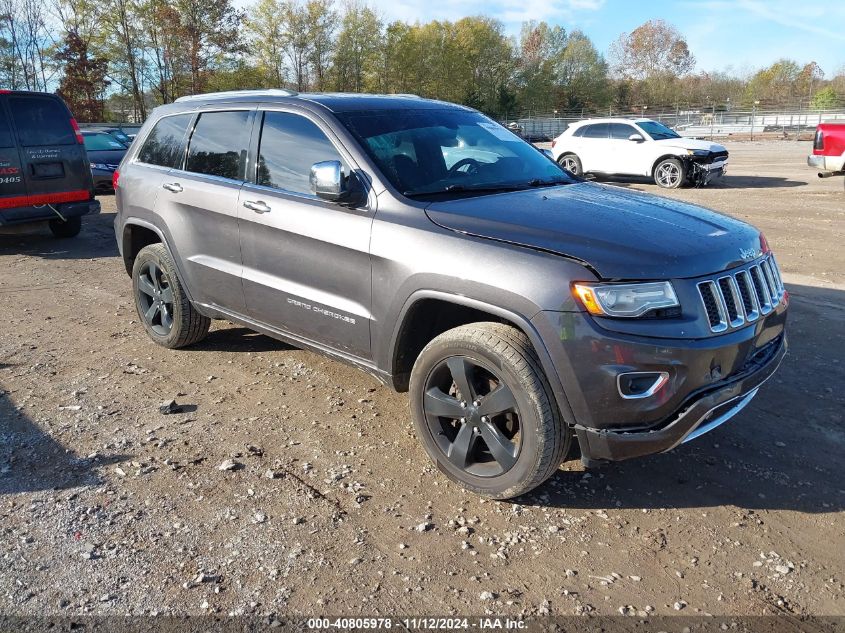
695	123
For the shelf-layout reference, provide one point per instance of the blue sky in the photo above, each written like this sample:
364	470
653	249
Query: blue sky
742	36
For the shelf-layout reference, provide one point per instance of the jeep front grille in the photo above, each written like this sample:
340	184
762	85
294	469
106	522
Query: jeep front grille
741	297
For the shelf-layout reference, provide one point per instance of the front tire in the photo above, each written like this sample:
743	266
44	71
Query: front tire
670	173
484	411
168	316
66	228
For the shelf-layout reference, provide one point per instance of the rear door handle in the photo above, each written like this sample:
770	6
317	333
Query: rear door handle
259	206
175	187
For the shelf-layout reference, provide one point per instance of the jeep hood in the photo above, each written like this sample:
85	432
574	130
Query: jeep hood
622	234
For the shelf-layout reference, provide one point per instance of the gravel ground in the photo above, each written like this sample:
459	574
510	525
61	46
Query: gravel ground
292	484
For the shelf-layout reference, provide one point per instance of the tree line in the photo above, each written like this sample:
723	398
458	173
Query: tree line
117	59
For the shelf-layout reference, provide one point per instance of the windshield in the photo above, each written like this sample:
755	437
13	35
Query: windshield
450	151
99	142
658	131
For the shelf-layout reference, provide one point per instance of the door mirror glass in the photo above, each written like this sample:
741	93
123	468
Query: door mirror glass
637	138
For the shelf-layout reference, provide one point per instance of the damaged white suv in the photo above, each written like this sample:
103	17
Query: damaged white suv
638	147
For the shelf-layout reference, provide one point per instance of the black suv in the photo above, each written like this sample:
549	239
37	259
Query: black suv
433	248
44	170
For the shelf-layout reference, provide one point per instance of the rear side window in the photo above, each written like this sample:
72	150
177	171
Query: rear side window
290	144
597	130
41	121
219	144
621	131
6	138
163	145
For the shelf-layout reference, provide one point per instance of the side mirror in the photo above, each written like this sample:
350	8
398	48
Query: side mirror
548	154
637	138
327	181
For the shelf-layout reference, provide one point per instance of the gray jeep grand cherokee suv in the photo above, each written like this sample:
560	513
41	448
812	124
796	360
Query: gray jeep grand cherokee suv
436	250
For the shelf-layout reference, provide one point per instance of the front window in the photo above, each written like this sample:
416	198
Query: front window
657	131
450	152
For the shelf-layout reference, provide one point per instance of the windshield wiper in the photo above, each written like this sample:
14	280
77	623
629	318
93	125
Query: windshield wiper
537	182
490	188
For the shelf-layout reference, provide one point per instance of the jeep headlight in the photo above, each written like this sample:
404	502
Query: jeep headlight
625	300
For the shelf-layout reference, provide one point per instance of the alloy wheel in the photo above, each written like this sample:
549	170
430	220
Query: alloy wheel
472	416
570	164
668	174
155	297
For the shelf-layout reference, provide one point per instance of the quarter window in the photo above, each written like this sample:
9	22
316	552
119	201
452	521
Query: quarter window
164	143
290	144
218	145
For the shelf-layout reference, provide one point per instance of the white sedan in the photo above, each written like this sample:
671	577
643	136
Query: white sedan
638	147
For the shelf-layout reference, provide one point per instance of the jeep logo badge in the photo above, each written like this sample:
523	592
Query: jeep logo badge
747	253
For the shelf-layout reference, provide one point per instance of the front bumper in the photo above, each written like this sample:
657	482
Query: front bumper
703	414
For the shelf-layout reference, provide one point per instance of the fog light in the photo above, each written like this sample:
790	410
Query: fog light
641	384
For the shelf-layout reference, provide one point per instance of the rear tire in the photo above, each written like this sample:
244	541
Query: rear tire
66	228
508	436
572	164
670	173
162	304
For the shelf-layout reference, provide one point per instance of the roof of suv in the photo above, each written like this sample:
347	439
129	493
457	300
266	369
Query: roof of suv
333	101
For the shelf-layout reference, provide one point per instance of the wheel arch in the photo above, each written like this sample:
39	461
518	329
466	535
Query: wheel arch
139	233
428	313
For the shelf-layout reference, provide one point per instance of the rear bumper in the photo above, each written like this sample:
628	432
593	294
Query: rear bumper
703	414
826	163
24	215
816	161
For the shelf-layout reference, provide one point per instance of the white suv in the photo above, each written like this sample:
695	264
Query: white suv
638	147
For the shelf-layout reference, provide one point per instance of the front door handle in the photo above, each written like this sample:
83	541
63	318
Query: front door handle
259	206
175	187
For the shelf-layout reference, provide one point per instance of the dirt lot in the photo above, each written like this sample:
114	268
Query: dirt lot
109	507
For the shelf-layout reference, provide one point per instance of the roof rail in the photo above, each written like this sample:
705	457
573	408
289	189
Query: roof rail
267	92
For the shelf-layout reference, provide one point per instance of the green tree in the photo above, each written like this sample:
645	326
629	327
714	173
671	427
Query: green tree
358	49
120	42
322	23
774	86
265	31
582	81
826	99
211	33
541	49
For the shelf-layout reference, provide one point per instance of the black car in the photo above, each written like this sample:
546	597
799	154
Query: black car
44	173
105	153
